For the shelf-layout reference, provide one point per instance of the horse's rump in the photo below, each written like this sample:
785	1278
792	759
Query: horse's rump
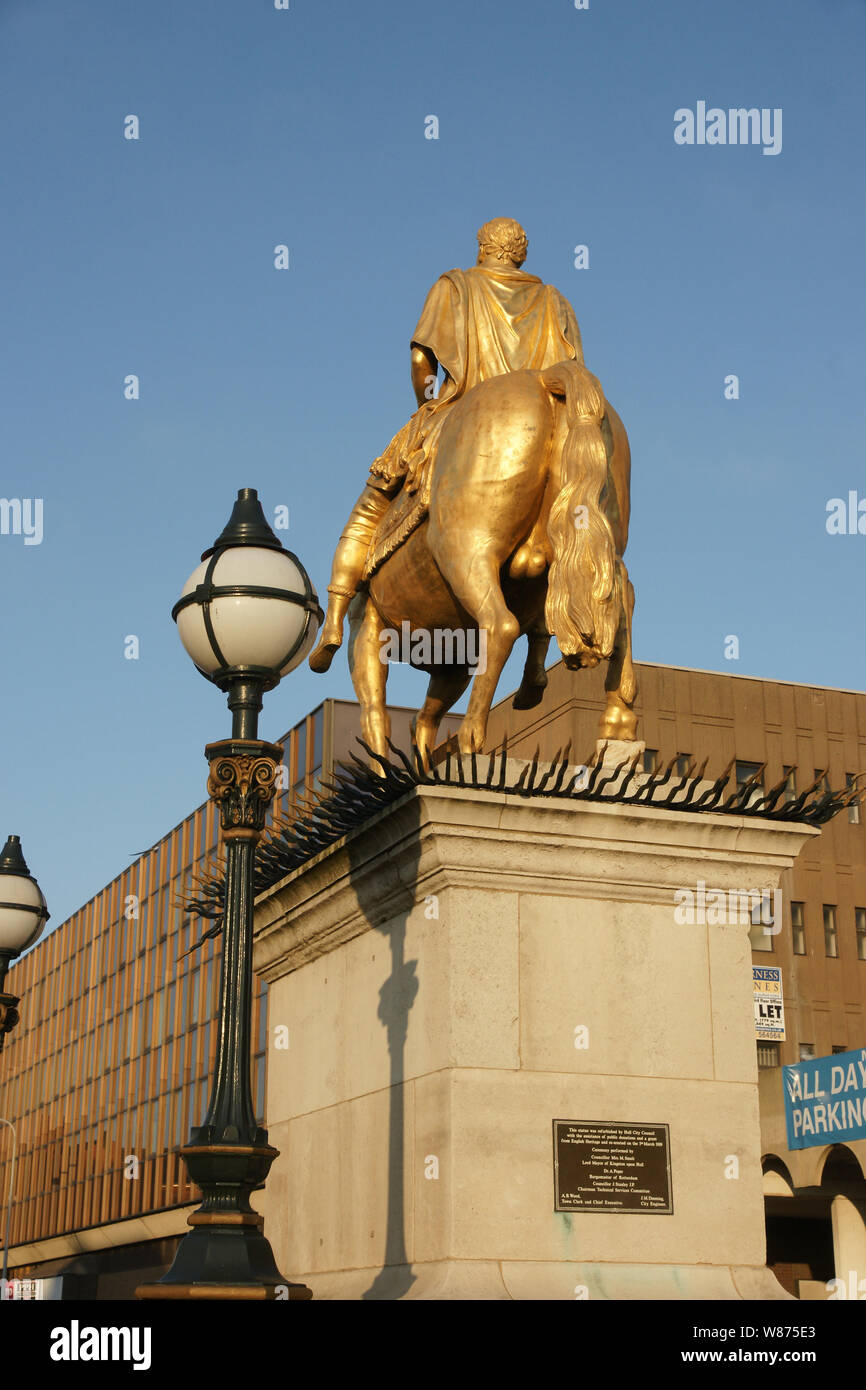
411	504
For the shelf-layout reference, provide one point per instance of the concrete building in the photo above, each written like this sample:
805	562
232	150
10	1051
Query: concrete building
108	1069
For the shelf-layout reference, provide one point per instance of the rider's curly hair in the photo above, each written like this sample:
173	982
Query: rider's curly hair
503	238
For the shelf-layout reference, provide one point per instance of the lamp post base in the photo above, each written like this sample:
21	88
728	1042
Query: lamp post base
248	1292
226	1253
224	1261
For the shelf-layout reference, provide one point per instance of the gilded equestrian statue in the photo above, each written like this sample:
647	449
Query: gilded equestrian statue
500	508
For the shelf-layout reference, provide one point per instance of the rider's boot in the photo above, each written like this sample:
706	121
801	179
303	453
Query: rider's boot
332	629
347	570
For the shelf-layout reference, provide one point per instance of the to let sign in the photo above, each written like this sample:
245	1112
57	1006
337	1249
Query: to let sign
825	1099
769	1008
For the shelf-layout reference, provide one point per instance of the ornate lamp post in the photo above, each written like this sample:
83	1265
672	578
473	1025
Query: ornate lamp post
247	616
23	914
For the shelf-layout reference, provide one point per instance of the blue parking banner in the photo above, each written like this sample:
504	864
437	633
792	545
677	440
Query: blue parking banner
825	1099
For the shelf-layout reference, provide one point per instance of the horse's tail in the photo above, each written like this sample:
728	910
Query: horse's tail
582	608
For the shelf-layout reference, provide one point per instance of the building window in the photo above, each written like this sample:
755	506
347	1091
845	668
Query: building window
744	772
860	923
768	1054
763	927
300	783
318	736
854	808
650	759
831	943
798	929
790	792
301	753
807	1050
259	1074
839	1047
684	762
822	780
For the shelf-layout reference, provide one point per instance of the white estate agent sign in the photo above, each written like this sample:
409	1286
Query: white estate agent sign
769	1008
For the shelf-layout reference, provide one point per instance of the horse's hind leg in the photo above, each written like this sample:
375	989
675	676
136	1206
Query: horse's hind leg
473	577
534	680
619	719
447	684
369	672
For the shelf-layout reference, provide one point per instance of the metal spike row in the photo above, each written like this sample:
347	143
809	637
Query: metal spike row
355	791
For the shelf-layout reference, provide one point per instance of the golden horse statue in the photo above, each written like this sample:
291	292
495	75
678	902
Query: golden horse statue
525	533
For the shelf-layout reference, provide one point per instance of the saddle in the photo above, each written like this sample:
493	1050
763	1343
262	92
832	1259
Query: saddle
405	514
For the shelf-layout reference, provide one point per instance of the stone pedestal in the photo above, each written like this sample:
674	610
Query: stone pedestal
469	967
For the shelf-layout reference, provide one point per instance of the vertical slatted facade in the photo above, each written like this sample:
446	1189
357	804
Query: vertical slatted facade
107	1071
109	1068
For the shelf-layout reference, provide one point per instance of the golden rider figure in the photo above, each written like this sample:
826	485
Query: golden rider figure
478	323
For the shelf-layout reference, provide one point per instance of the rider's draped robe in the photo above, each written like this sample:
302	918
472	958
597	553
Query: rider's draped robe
479	323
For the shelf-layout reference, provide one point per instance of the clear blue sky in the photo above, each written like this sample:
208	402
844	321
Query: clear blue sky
306	127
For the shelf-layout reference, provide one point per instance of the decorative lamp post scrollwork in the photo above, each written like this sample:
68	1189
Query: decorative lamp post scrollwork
23	914
247	616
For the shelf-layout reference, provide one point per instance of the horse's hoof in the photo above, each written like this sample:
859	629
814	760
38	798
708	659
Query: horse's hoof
470	741
529	695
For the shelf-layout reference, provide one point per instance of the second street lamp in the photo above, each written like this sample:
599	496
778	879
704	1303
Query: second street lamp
23	914
247	616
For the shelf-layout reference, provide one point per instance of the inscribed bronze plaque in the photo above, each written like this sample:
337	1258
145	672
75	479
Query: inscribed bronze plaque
600	1166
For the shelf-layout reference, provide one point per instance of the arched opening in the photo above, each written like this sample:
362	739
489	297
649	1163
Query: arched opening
842	1172
777	1180
842	1178
799	1231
